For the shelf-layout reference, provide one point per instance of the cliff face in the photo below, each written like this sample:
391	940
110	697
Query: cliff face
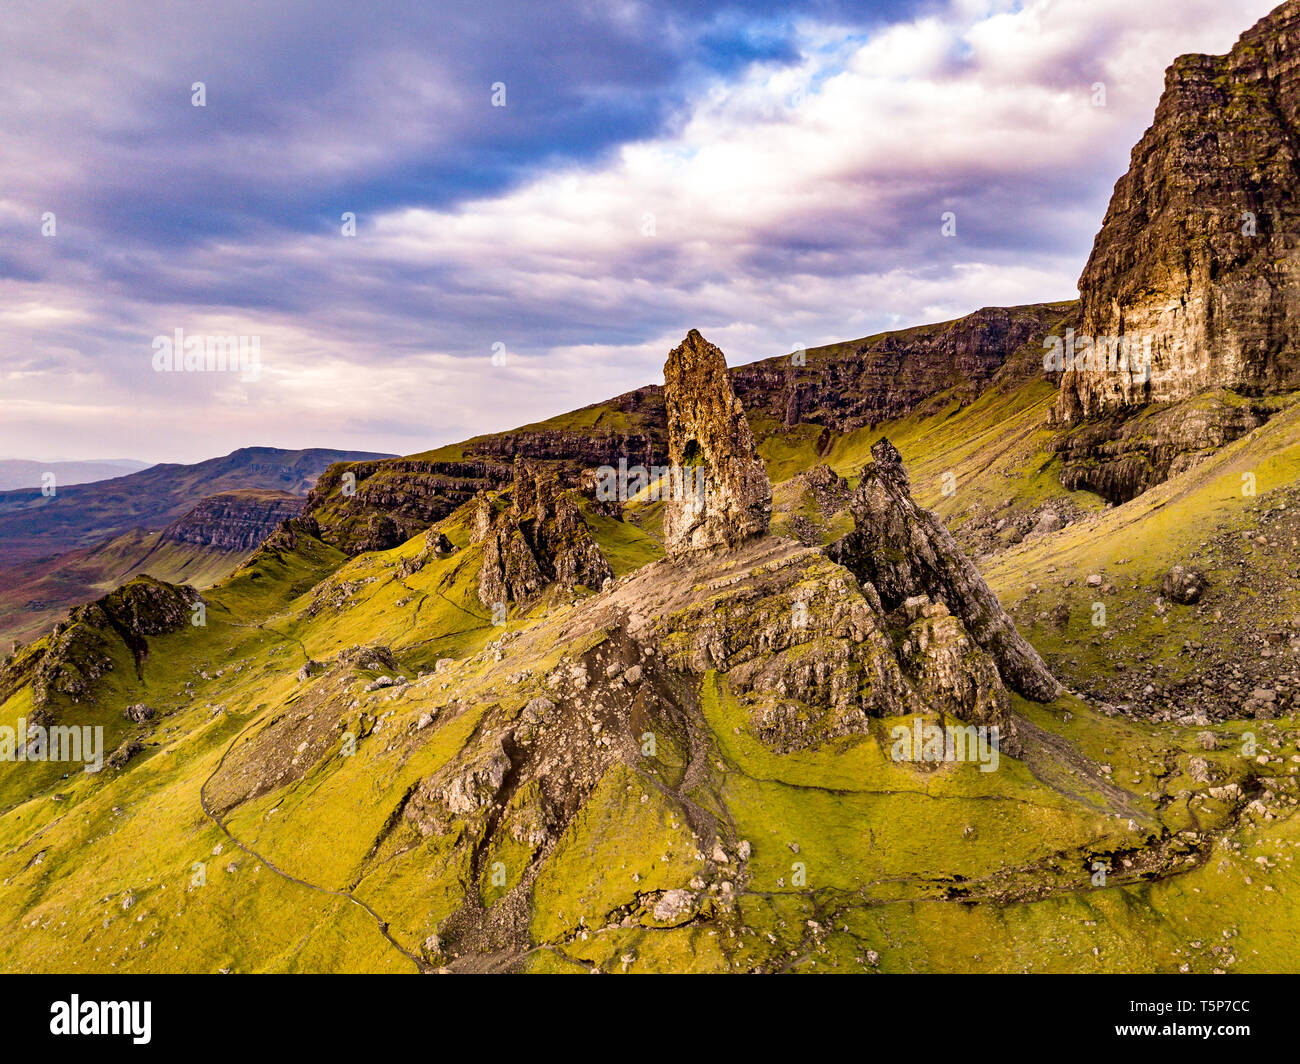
1196	260
235	521
385	503
864	382
1122	455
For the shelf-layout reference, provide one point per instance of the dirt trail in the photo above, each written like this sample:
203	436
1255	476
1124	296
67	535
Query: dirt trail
380	922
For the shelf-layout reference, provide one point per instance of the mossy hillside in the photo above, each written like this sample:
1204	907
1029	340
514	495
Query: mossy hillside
333	818
23	780
1167	521
862	850
143	820
597	419
1183	521
138	841
625	544
86	574
909	920
861	819
629	840
964	459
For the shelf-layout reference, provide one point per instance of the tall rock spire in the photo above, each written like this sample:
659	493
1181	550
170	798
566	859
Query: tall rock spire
718	494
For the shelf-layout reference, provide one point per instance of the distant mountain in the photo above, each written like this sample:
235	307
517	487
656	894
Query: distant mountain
16	473
202	547
34	526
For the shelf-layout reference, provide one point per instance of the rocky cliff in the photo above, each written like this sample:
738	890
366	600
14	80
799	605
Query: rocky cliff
539	538
234	521
1195	266
865	382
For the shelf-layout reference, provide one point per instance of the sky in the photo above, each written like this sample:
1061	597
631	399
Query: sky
440	219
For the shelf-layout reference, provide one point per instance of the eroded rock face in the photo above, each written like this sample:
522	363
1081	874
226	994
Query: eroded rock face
1194	254
863	382
951	672
720	495
1122	455
540	538
234	520
800	640
905	551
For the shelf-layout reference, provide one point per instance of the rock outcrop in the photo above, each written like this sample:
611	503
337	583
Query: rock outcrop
951	672
1121	455
719	494
540	538
904	552
234	521
1195	261
828	488
1184	586
82	647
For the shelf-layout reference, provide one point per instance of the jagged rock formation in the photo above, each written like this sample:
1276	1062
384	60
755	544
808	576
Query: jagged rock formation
829	489
813	652
235	521
1194	254
842	387
951	672
80	649
539	539
904	551
719	493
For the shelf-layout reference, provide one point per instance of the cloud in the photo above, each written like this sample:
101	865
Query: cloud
770	180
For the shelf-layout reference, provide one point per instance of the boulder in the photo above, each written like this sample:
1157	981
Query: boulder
1184	586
